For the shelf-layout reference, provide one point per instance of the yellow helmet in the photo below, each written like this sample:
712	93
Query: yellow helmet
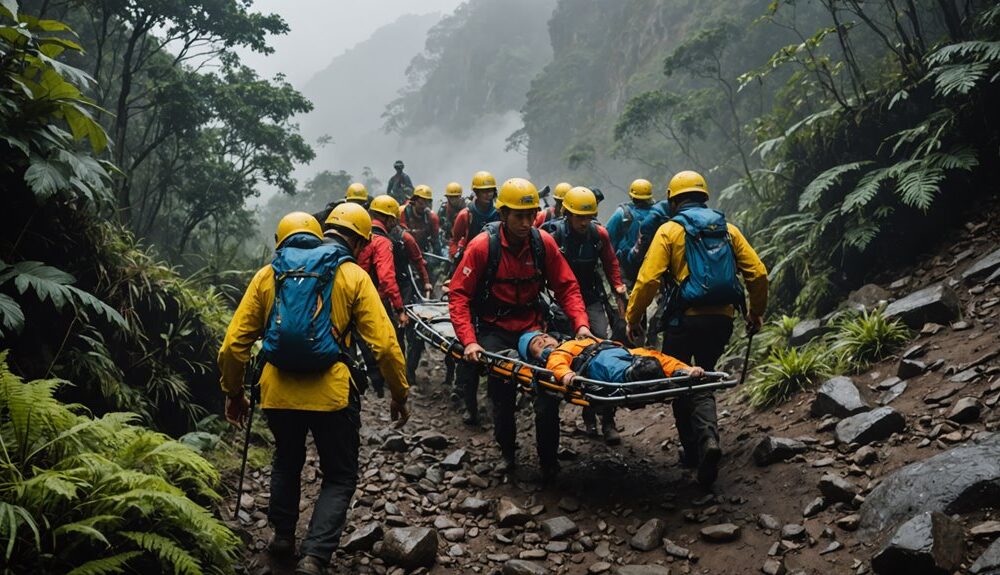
386	205
423	191
580	201
453	189
560	191
518	194
357	191
684	182
296	223
483	181
641	190
353	218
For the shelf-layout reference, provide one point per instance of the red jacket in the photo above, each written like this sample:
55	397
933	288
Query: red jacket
513	265
376	259
416	257
425	230
459	230
545	215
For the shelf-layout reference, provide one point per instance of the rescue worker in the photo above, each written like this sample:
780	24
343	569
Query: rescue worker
480	212
599	359
494	299
418	218
400	186
325	403
378	259
552	212
587	247
454	202
407	260
356	193
696	331
623	225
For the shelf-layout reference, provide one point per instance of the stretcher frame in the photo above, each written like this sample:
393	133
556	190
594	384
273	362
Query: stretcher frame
583	391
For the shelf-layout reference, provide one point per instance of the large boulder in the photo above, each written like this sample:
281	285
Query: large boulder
410	547
937	303
807	330
982	267
839	397
929	544
870	426
959	480
774	449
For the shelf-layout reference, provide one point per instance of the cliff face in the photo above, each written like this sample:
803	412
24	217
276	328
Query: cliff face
476	62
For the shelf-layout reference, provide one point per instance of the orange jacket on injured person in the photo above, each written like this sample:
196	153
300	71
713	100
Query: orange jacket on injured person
600	360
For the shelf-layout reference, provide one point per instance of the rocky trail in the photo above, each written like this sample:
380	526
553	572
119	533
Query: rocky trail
818	485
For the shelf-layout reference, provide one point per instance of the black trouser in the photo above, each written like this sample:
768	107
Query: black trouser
336	436
599	326
503	397
414	345
703	338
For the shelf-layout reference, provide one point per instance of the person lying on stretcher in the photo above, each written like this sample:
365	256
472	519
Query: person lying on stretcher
600	360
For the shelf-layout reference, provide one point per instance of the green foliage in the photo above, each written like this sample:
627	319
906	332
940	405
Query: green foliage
85	495
775	335
787	371
865	339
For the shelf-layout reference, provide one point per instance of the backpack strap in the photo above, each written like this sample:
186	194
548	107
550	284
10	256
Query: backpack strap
626	213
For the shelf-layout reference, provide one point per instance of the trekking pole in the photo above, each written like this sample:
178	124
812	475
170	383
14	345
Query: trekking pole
746	358
250	377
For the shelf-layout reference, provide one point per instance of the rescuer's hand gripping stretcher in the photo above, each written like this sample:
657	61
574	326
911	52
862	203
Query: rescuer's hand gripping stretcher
431	323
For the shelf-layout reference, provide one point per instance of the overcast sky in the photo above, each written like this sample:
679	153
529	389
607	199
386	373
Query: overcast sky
323	29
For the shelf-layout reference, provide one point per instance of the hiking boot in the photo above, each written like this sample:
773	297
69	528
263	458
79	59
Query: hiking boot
687	458
508	465
611	436
281	544
310	565
708	465
470	418
590	428
455	398
380	392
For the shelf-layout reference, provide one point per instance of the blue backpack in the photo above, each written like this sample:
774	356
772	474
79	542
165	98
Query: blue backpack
711	261
300	334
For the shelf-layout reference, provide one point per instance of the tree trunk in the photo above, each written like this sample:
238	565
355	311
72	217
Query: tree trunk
120	130
951	19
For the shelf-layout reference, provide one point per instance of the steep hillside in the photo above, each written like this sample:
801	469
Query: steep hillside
477	62
351	93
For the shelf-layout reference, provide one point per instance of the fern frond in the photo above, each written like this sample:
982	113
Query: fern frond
11	316
107	565
962	158
168	552
980	50
823	182
918	188
867	188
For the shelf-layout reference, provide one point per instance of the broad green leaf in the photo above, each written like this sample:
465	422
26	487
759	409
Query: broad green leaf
46	282
83	125
45	179
825	181
56	87
11	316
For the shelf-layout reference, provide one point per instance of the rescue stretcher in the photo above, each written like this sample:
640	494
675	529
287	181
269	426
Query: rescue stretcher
432	324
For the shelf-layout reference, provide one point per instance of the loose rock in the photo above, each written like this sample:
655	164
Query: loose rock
989	561
937	304
965	410
522	567
474	506
410	547
642	570
774	567
454	459
807	330
929	543
649	536
839	397
768	522
559	527
722	533
675	550
837	489
362	538
509	514
870	426
910	368
982	267
774	449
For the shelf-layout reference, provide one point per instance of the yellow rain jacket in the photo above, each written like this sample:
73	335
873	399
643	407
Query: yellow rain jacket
355	302
666	256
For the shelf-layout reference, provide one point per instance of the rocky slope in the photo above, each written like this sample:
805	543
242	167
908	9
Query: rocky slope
817	485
